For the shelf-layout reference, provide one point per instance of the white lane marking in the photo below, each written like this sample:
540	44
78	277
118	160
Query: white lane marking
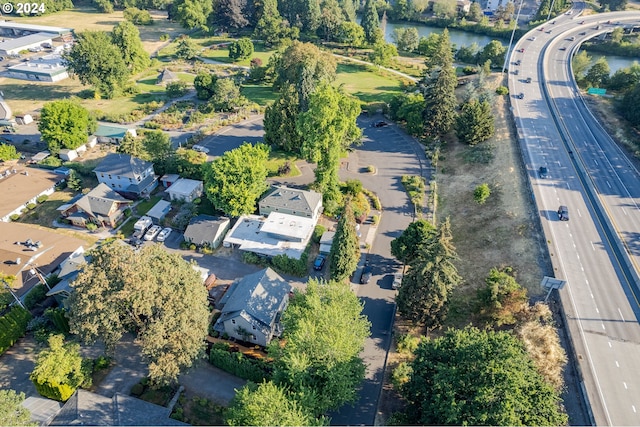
608	184
597	311
634	408
574	246
625	385
621	316
603	326
579	213
595	161
609	344
624	211
593	246
592	296
617	364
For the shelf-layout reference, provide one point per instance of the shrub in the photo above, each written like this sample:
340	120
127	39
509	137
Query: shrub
375	201
241	49
317	233
353	187
36	296
102	362
371	169
41	199
240	365
407	343
137	390
31	206
14	217
502	90
91	226
481	193
401	375
469	70
176	89
51	161
58	317
164	37
375	219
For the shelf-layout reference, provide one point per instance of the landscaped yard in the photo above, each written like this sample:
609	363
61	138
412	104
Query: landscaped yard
221	54
143	207
366	85
260	94
45	213
277	160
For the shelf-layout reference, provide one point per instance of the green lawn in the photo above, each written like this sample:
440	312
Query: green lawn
127	227
260	94
365	85
221	54
143	207
278	159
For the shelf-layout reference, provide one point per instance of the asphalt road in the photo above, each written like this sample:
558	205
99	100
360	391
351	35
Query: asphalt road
393	154
601	308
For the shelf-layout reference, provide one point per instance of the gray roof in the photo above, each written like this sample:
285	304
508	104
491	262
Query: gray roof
159	210
10	44
100	200
293	199
111	131
167	76
122	165
204	228
86	408
258	296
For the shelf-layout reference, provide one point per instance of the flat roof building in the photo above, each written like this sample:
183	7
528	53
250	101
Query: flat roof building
12	28
48	68
14	46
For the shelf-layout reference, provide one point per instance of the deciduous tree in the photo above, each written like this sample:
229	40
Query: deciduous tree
598	74
268	404
127	38
226	95
192	13
8	152
231	14
152	292
328	127
12	413
319	355
65	124
383	53
407	39
96	61
241	49
474	377
351	34
502	298
493	51
331	17
413	241
271	26
234	181
629	105
205	85
345	250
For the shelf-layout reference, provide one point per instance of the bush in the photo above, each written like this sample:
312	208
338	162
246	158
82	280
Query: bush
375	219
58	317
353	187
371	169
469	70
317	233
42	199
35	297
481	193
401	375
407	343
164	37
55	391
13	325
176	89
101	363
137	390
14	217
240	365
91	226
31	206
240	49
502	90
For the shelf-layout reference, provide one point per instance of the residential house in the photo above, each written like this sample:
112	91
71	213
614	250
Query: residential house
24	247
101	206
130	176
186	190
21	186
205	230
67	273
253	306
292	201
113	134
91	409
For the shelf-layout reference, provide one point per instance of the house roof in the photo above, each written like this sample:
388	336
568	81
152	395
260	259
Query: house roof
167	76
293	199
184	186
122	165
111	131
55	248
25	41
171	177
18	188
204	228
100	200
86	408
12	25
288	226
258	296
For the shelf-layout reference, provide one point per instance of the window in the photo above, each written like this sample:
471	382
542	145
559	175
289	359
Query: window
109	176
233	321
253	337
101	175
130	180
253	327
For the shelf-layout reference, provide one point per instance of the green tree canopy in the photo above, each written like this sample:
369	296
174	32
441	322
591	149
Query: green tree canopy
186	48
271	26
152	292
8	152
12	413
328	127
205	84
96	61
625	78
268	404
383	53
192	13
58	366
241	49
440	98
351	34
226	95
598	74
345	250
65	124
493	51
407	39
318	357
127	38
413	241
235	181
629	105
330	19
280	119
474	377
502	298
475	123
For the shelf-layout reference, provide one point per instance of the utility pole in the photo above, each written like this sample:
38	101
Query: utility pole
13	294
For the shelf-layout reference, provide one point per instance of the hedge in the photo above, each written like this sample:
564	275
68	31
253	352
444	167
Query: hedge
239	365
13	325
55	391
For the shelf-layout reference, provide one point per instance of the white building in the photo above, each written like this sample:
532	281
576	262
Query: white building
48	68
186	190
15	46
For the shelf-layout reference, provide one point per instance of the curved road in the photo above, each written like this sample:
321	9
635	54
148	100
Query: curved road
590	175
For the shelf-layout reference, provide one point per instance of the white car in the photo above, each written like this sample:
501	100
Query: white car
164	234
152	232
397	281
200	149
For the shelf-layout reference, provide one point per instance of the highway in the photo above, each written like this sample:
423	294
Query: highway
597	250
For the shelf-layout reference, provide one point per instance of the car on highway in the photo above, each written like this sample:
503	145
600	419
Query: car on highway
584	33
521	50
569	12
541	29
366	274
518	62
528	80
532	38
548	31
520	95
572	38
581	22
200	149
563	48
318	264
162	236
543	172
563	213
397	281
515	72
152	232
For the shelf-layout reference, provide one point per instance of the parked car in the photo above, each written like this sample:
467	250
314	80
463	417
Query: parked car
563	213
318	264
366	274
584	33
152	232
380	124
162	236
521	50
200	149
543	172
397	281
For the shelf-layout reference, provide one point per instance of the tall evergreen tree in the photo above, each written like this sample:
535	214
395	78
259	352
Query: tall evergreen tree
371	22
426	287
280	122
345	251
440	98
271	26
475	124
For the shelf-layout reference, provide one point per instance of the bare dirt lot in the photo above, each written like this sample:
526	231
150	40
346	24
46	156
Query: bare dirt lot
505	231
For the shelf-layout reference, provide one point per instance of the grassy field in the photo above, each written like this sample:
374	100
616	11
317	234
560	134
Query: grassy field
365	85
278	159
260	94
221	54
45	213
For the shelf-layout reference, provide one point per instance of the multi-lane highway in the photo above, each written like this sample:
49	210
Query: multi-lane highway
596	251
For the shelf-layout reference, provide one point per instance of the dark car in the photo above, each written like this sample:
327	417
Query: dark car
528	80
318	264
543	172
521	95
366	275
563	213
563	48
518	62
584	33
380	124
